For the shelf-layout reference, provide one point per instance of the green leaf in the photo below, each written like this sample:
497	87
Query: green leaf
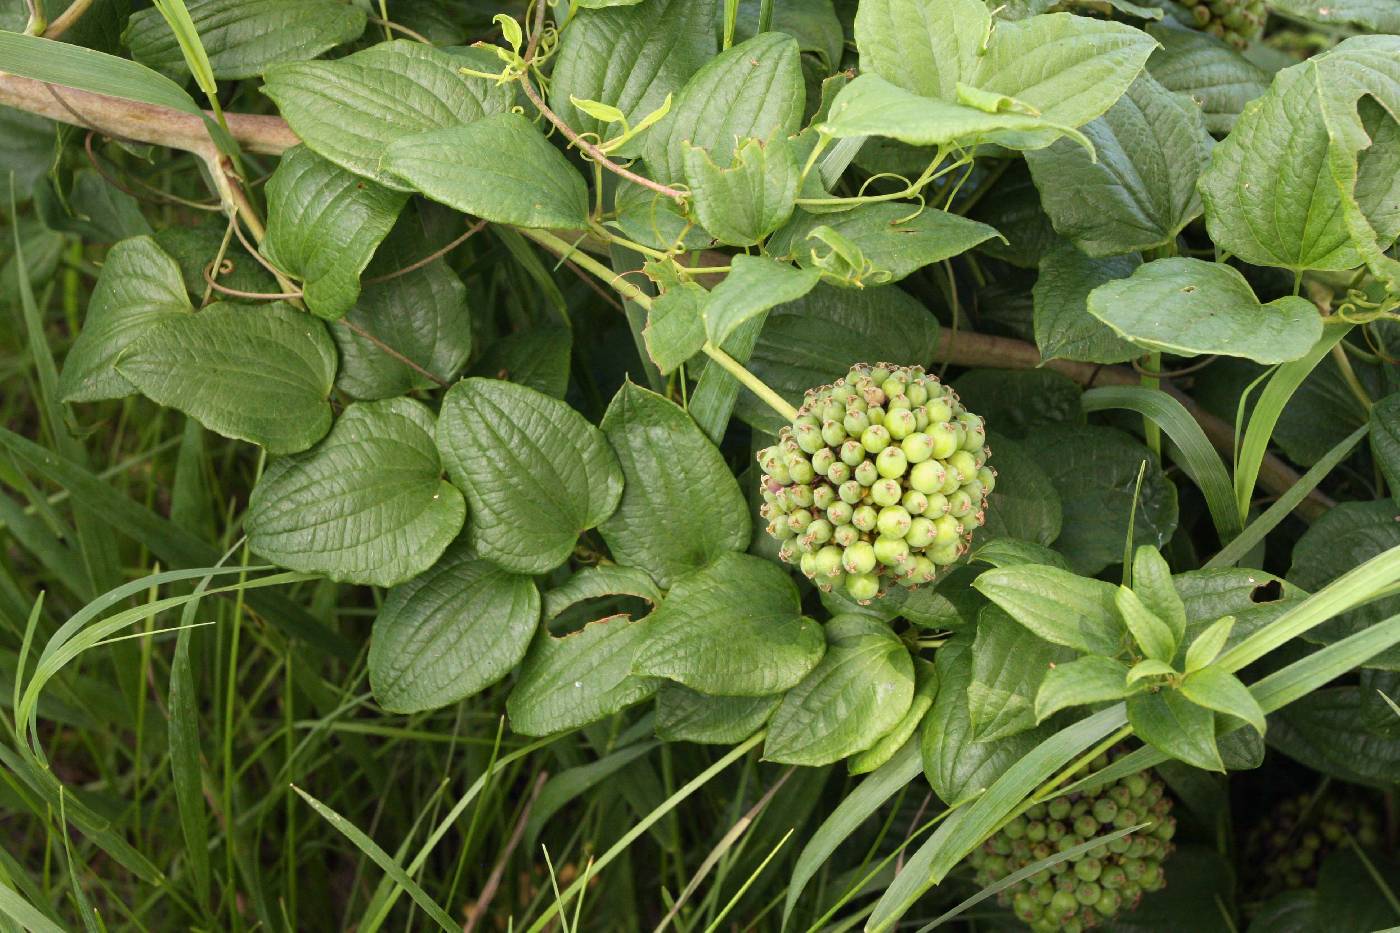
349	110
262	374
889	237
1152	584
754	89
629	57
1150	667
754	285
1326	731
1219	690
572	681
1009	663
681	507
1064	328
450	632
193	248
860	690
1346	536
1059	606
537	358
597	582
1015	399
1194	307
1095	470
1141	190
1176	727
675	329
1025	504
1081	682
534	471
1069	68
734	628
139	287
811	341
743	201
1153	635
243	37
323	226
1011	552
684	715
1385	440
925	48
892	742
1208	644
1376	15
1207	70
500	168
422	315
366	505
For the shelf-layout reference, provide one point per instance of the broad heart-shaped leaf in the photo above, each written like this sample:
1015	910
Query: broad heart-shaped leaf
421	315
1327	731
754	89
754	285
681	507
1025	504
1175	726
1208	71
683	715
734	628
887	235
538	358
1079	682
629	57
1009	662
1095	470
1194	307
1141	189
366	505
1059	606
958	767
890	744
258	373
323	226
139	286
450	632
1017	399
1069	68
1064	328
922	46
500	168
535	472
350	109
1376	15
243	37
675	329
811	341
860	690
742	202
571	681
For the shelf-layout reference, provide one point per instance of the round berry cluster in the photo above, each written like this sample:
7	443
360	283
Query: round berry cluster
1286	851
1078	893
1238	22
881	477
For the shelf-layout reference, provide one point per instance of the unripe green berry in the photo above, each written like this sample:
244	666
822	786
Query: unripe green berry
900	423
800	497
864	518
833	409
862	586
845	535
1086	826
917	447
891	463
890	551
947	530
800	469
937	505
938	411
833	433
893	520
779	529
927	477
855	421
809	438
976	431
924	571
839	513
823	496
876	414
1088	893
945	440
974	491
917	393
951	483
915	502
943	556
851	492
859	558
822	460
875	438
779	473
1088	869
819	531
886	492
1105	810
988	478
838	473
867	474
959	504
827	561
852	453
921	533
963	463
799	520
1036	830
808	564
1064	903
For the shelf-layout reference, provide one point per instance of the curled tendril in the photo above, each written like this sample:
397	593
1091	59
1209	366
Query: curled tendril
1359	308
874	178
918	196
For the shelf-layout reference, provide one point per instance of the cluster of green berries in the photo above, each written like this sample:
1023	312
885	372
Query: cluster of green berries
1287	849
1238	22
881	477
1080	892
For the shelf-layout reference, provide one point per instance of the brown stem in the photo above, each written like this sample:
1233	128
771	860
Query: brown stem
472	231
493	881
67	18
385	348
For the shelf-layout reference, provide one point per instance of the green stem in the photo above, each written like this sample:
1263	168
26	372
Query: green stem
1151	433
754	384
1339	354
765	16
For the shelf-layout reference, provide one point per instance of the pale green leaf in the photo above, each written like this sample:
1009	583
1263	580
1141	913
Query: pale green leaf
139	287
349	110
450	632
742	201
572	681
860	690
1012	552
754	285
675	329
323	226
1153	635
1219	79
1176	727
1064	328
1191	306
923	46
535	472
1208	644
1009	664
1150	667
734	628
681	507
258	373
500	168
1217	689
1059	606
243	37
892	742
1081	682
366	505
1152	583
1376	15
